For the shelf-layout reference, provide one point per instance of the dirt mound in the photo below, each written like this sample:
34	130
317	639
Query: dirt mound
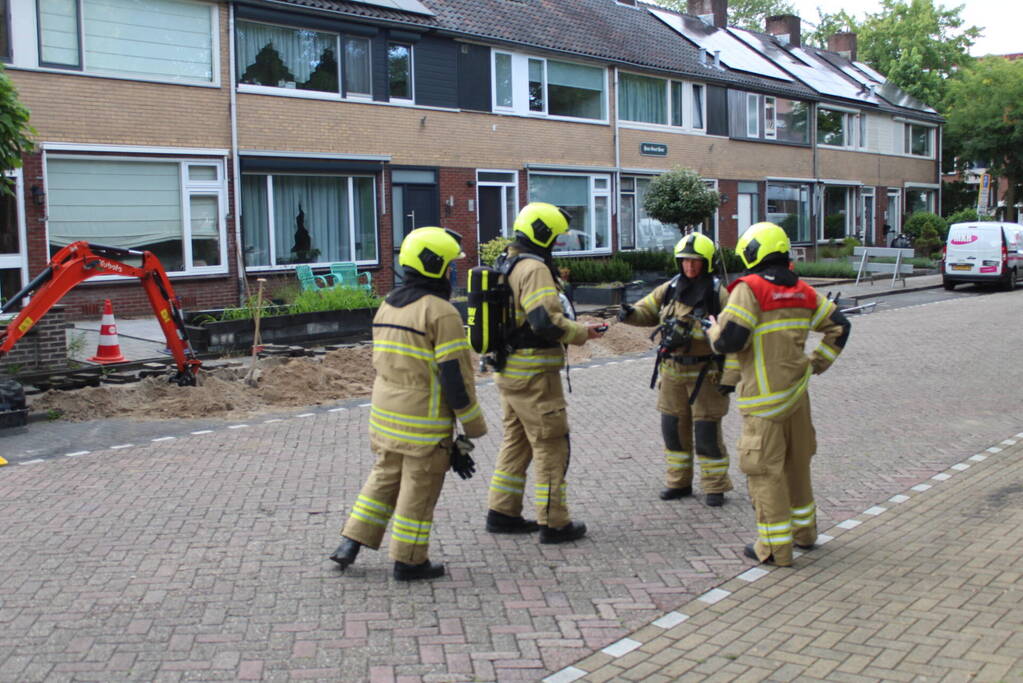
282	383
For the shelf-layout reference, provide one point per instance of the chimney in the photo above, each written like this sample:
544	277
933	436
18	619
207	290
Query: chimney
784	27
844	44
714	12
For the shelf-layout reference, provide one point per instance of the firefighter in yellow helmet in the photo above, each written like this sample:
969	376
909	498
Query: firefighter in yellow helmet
533	402
424	382
693	392
769	314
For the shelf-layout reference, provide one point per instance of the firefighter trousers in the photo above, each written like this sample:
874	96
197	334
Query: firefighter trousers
401	489
678	420
535	429
775	456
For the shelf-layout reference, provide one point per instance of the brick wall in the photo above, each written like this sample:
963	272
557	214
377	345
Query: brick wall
43	348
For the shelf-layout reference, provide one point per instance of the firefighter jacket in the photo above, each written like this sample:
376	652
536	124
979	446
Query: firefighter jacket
424	378
541	326
653	310
767	324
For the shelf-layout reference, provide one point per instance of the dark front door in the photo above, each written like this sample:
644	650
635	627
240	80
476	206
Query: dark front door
415	206
491	208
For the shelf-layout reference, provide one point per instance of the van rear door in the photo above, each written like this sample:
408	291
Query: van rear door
974	249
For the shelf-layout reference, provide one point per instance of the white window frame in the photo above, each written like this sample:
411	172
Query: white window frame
907	127
411	73
342	79
770	118
687	105
271	226
187	188
930	188
25	39
520	88
847	128
752	122
17	261
512	186
850	208
591	207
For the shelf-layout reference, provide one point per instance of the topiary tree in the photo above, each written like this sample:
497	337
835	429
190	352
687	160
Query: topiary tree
928	231
680	198
14	131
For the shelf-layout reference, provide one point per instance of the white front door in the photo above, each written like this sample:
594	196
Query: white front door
13	247
745	212
893	216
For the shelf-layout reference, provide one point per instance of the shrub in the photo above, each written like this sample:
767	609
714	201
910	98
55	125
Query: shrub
817	269
843	250
332	299
917	223
834	226
596	270
927	241
659	260
680	198
733	264
489	251
967	216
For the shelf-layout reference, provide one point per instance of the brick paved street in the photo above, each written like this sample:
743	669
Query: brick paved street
203	557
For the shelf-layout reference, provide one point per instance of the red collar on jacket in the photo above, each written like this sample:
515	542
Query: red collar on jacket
771	297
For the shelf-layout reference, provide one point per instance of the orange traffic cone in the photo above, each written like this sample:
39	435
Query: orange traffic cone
109	350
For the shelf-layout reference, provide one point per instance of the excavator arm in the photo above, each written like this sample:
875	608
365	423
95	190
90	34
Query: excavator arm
79	261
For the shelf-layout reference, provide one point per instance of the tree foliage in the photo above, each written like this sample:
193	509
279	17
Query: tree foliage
985	118
680	198
749	14
15	132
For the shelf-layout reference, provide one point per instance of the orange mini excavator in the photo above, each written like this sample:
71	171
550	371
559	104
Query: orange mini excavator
80	261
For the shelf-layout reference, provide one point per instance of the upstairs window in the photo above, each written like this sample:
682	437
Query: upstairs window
5	31
645	99
918	140
533	86
150	39
792	121
752	115
831	127
399	71
301	59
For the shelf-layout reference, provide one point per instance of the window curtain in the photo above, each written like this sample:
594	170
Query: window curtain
641	99
255	221
575	90
118	203
697	106
503	79
357	78
365	220
285	57
311	219
163	38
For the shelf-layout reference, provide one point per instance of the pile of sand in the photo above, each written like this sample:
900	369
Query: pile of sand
282	383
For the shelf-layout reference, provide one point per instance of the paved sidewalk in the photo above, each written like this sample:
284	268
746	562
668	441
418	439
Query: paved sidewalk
926	586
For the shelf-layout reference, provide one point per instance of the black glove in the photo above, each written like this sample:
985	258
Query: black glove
461	462
725	389
624	313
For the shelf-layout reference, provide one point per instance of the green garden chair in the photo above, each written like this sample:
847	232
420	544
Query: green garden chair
347	275
310	281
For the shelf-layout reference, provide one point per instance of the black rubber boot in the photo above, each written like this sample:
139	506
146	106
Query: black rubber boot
806	547
751	552
715	500
675	494
416	572
572	531
346	552
500	523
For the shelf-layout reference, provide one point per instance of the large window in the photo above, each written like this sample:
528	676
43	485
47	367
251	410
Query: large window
831	127
788	205
301	59
586	198
399	71
530	85
918	199
157	39
636	229
793	121
173	209
289	219
918	140
837	213
645	99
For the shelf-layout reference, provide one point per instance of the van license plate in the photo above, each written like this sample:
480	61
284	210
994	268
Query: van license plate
961	266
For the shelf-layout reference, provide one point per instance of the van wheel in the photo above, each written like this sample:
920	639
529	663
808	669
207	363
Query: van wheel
948	285
1010	281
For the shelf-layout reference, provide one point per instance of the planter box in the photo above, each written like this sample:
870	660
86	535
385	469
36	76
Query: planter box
301	328
600	296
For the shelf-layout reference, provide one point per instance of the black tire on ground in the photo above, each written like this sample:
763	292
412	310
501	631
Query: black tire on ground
1009	283
948	285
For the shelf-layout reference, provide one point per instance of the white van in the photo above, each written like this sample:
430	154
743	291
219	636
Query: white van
989	253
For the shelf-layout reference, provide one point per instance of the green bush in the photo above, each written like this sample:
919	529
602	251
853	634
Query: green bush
658	260
834	226
834	250
489	251
916	225
733	264
680	198
332	299
967	216
596	270
817	269
928	241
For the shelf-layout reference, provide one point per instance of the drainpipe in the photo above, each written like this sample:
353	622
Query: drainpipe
618	160
236	172
940	139
815	175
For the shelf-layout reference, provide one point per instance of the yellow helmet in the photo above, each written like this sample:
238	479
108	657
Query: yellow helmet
428	251
540	223
760	241
696	245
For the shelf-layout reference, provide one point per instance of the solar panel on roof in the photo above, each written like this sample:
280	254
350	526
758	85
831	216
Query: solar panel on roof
870	72
413	6
828	81
733	52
